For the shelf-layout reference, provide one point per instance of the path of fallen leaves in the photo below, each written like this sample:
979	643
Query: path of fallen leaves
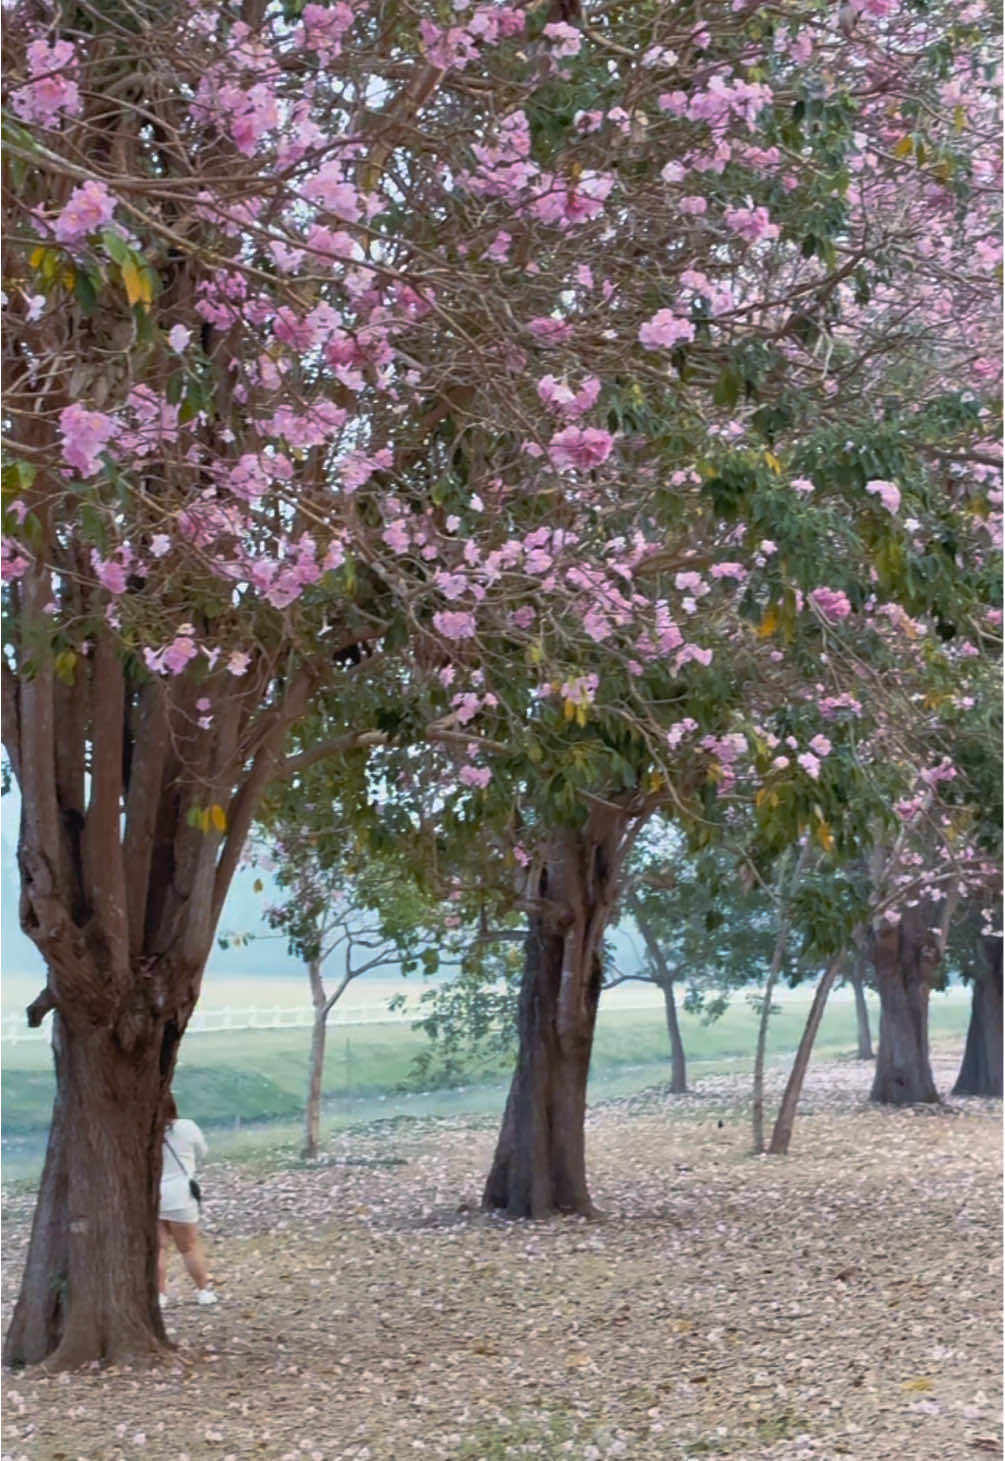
842	1302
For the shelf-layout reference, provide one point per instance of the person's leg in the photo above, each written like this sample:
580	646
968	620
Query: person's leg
189	1245
164	1239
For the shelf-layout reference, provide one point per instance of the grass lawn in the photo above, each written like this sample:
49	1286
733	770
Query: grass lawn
228	1080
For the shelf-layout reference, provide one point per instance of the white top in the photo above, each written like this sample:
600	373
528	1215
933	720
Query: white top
188	1147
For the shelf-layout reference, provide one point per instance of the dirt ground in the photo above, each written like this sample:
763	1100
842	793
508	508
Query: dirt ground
842	1302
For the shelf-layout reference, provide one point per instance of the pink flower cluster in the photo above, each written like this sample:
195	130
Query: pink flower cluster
52	94
85	435
86	210
579	448
887	492
665	330
568	402
831	604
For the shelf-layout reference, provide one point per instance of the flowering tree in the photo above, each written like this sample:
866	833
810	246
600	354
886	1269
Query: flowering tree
578	384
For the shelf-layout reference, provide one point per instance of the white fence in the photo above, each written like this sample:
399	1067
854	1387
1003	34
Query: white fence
14	1028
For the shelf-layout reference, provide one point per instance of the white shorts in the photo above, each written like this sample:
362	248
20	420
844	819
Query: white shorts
177	1203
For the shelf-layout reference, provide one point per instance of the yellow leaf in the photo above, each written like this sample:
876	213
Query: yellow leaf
773	463
219	817
769	622
824	836
959	119
137	283
535	653
904	147
655	781
69	279
37	256
766	797
921	1384
204	819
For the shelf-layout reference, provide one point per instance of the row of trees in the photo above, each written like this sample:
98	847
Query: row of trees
542	423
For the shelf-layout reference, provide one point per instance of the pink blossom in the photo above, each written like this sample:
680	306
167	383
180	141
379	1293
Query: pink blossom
549	330
887	492
475	775
810	764
178	338
780	763
465	707
358	467
565	40
178	653
831	604
830	705
677	732
395	535
87	208
523	617
160	545
36	306
43	99
85	435
454	624
693	652
820	746
802	485
665	329
111	574
693	204
728	570
580	448
13	563
751	223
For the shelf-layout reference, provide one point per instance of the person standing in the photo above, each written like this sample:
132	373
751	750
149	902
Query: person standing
184	1147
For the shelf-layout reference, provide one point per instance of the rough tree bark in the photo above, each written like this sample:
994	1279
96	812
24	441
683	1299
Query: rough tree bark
906	957
121	889
981	1068
539	1166
864	1049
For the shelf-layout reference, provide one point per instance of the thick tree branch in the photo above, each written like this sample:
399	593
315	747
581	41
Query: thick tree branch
40	1006
104	871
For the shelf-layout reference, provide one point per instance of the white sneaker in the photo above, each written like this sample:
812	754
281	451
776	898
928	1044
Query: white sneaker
206	1296
163	1300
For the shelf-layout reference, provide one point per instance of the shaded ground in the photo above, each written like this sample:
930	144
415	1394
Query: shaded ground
842	1302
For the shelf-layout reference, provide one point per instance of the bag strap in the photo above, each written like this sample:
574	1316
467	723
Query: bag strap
184	1170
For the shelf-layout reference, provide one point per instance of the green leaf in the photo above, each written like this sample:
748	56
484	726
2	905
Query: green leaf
87	294
115	247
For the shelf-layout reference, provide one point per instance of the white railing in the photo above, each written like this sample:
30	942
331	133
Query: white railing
14	1028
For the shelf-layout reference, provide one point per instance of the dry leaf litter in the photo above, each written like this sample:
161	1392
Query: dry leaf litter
844	1302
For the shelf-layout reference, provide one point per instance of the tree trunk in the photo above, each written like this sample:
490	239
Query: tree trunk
89	1289
665	979
905	957
784	899
539	1166
312	1128
865	1050
678	1069
540	1160
782	1133
981	1070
